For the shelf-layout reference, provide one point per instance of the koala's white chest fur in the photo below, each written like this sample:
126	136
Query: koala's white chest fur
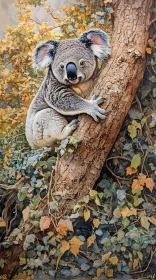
82	89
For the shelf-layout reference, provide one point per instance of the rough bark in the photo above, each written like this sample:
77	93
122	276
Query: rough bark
117	82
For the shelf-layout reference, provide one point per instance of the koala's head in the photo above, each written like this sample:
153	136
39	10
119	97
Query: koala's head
74	60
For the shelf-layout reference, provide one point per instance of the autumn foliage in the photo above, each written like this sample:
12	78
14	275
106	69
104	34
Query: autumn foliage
118	214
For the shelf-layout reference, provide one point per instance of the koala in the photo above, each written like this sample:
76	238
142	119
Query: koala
71	64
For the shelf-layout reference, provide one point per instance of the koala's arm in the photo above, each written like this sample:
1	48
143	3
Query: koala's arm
63	99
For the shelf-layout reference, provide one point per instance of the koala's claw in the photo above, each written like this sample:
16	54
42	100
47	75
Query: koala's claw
95	111
74	123
94	97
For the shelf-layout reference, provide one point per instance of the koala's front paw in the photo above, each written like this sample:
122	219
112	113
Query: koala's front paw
69	128
94	110
74	124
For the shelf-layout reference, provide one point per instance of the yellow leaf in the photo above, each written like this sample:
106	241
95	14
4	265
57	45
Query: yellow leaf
149	50
64	247
96	223
19	175
106	256
150	184
99	272
74	249
76	241
86	214
22	261
142	179
152	220
2	223
61	230
93	193
130	171
109	273
126	212
114	260
135	263
25	213
97	201
85	199
44	222
64	226
77	206
151	42
75	244
136	185
90	240
140	255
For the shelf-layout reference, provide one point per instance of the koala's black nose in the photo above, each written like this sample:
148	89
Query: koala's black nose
71	71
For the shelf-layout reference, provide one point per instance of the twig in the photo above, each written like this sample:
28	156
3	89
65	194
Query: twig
152	22
116	176
143	164
15	186
116	157
86	256
141	271
36	21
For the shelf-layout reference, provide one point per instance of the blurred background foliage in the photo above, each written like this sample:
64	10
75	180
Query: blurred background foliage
115	224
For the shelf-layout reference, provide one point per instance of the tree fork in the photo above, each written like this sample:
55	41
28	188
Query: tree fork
117	82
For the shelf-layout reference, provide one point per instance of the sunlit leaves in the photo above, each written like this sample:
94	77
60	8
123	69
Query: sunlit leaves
65	246
75	244
96	223
114	260
136	160
90	240
141	182
106	256
144	222
86	214
64	226
132	129
26	212
130	170
45	222
126	212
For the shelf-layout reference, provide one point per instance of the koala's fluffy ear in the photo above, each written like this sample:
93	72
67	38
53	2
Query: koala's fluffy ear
98	41
44	54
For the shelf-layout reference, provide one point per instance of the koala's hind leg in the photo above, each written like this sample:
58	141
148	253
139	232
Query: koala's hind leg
49	126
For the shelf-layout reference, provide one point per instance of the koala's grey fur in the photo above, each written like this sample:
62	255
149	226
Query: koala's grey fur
57	96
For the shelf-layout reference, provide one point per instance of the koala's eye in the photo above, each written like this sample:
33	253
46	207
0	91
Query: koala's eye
82	62
61	66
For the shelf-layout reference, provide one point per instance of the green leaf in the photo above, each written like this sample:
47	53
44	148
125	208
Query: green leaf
53	206
144	222
93	193
15	232
132	131
35	201
137	200
136	160
154	92
22	193
125	222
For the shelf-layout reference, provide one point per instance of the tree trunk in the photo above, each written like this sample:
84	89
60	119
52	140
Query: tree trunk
117	82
